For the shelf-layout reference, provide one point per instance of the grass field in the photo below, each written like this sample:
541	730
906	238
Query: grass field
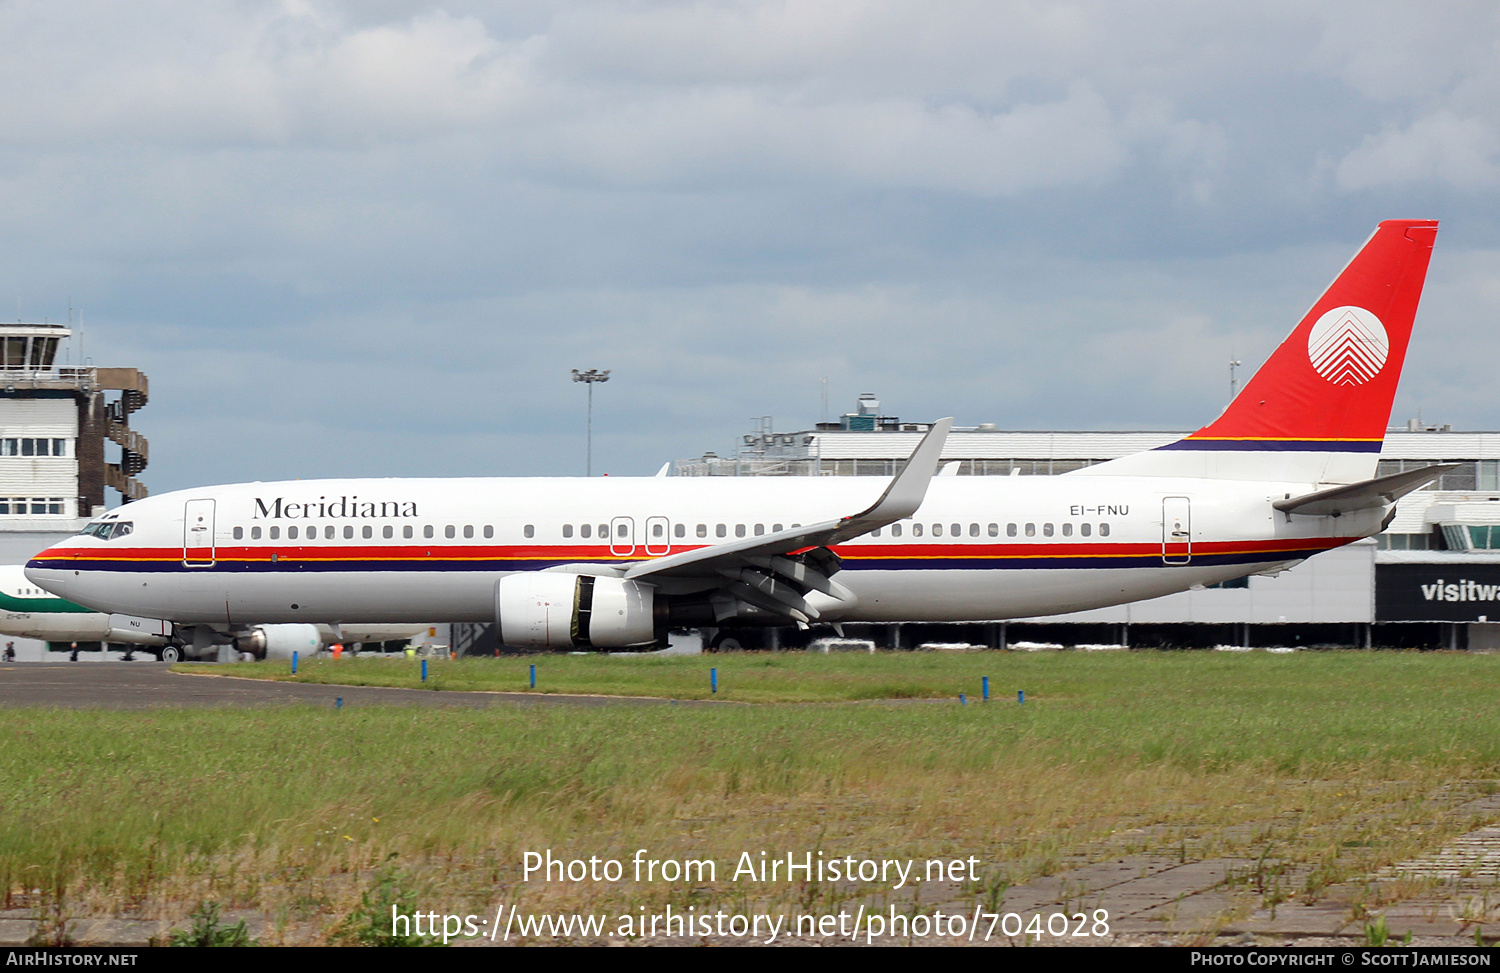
1331	760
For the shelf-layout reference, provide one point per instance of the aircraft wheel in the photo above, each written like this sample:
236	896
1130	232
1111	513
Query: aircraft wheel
725	642
171	654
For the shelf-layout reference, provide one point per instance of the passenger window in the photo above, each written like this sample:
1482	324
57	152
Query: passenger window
567	530
348	532
956	530
406	531
657	530
587	530
760	529
916	530
1046	530
620	530
875	532
994	530
603	531
387	532
776	528
255	533
1010	530
239	533
973	530
720	530
702	530
1103	530
1084	529
1067	530
427	530
489	530
368	532
679	530
275	533
739	530
937	530
895	530
529	530
468	531
1031	530
451	531
291	533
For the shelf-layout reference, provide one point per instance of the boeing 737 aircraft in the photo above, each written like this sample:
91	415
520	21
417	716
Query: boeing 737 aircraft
1287	471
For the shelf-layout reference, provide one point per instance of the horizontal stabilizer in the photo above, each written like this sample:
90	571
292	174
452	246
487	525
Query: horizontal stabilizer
1379	492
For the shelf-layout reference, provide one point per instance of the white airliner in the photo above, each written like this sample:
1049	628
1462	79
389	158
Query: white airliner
27	611
1287	471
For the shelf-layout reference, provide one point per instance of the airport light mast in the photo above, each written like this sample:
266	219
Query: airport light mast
589	378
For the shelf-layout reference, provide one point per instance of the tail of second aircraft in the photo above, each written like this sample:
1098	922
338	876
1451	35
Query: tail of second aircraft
1318	408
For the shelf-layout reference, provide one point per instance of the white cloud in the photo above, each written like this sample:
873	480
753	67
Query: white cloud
1443	148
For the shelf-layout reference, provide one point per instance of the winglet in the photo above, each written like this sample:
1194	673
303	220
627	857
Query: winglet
906	492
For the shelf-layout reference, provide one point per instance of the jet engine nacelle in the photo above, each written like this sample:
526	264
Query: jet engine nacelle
280	641
550	610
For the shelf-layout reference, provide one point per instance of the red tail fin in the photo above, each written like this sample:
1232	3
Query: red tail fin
1330	384
1318	408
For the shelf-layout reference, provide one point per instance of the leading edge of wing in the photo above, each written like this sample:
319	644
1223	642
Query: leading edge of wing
900	500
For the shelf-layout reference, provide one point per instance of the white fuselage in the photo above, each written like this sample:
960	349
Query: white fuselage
400	550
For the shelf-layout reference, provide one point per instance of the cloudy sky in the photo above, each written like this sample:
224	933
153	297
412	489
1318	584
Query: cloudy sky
366	238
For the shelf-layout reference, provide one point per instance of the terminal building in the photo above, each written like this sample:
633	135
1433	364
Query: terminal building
66	445
1432	580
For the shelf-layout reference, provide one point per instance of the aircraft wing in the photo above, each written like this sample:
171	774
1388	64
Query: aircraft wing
776	572
1379	492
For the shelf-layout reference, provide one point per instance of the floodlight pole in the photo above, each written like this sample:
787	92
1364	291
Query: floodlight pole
589	378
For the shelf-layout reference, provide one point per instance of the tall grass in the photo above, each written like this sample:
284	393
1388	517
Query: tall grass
1342	761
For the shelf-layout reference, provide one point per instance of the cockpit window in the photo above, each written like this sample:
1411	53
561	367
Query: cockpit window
106	530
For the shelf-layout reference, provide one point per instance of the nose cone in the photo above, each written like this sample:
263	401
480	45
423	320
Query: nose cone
48	570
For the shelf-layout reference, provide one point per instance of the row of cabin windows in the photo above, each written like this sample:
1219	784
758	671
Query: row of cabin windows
367	532
993	530
657	530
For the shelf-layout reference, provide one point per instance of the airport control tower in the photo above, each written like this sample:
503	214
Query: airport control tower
56	427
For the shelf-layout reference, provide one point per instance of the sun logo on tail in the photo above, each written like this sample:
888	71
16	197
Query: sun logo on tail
1348	346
